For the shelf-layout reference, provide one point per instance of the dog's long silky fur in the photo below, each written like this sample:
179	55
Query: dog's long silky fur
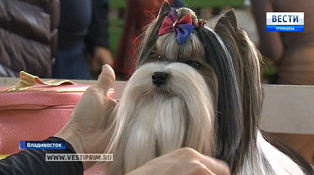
214	108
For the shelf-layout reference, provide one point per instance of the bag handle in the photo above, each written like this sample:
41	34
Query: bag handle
28	80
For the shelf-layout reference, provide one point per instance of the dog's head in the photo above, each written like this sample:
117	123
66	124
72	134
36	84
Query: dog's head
184	94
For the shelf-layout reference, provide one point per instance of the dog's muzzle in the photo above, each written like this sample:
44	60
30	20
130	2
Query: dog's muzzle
159	78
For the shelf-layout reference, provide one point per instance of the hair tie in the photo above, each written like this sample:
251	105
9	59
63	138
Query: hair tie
183	27
202	22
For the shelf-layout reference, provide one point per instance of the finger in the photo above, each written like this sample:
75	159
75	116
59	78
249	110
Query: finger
106	78
215	166
204	170
96	65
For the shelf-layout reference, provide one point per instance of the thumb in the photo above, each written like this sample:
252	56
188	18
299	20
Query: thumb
106	78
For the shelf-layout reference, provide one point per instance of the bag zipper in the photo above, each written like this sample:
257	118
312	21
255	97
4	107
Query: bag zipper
30	107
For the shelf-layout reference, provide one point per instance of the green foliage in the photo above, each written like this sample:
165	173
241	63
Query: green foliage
115	32
213	3
117	3
269	68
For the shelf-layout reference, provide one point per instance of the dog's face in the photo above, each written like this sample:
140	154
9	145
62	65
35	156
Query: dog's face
181	95
165	106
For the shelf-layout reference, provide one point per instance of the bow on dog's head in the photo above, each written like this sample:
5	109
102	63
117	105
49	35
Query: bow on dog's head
193	87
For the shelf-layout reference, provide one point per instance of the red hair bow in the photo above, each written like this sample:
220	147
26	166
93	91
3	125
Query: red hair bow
183	27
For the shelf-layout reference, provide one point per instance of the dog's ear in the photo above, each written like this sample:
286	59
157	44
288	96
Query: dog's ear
246	61
165	7
150	35
227	23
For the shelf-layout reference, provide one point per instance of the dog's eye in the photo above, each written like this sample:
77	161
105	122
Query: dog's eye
194	64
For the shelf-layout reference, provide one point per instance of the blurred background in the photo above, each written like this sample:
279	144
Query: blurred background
208	10
84	35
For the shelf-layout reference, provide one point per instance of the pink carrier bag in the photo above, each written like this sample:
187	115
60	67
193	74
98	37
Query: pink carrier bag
35	110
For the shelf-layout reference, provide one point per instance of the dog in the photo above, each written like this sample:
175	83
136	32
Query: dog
195	87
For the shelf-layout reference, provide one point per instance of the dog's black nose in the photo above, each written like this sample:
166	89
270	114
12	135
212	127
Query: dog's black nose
159	78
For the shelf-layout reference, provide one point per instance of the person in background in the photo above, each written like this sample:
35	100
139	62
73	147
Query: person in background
139	13
83	30
293	54
28	37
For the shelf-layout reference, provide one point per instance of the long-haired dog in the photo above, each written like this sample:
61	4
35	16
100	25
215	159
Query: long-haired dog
195	87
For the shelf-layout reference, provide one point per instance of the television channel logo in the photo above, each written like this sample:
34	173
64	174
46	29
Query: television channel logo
285	21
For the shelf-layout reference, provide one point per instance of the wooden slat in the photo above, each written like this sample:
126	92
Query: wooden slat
288	109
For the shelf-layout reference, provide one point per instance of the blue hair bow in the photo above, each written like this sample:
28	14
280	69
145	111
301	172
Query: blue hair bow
183	27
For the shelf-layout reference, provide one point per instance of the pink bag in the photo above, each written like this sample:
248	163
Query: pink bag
35	110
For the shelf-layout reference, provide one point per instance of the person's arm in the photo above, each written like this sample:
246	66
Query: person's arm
33	162
183	161
101	20
86	132
99	32
271	44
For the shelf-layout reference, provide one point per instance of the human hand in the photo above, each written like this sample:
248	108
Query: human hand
101	56
183	161
87	131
